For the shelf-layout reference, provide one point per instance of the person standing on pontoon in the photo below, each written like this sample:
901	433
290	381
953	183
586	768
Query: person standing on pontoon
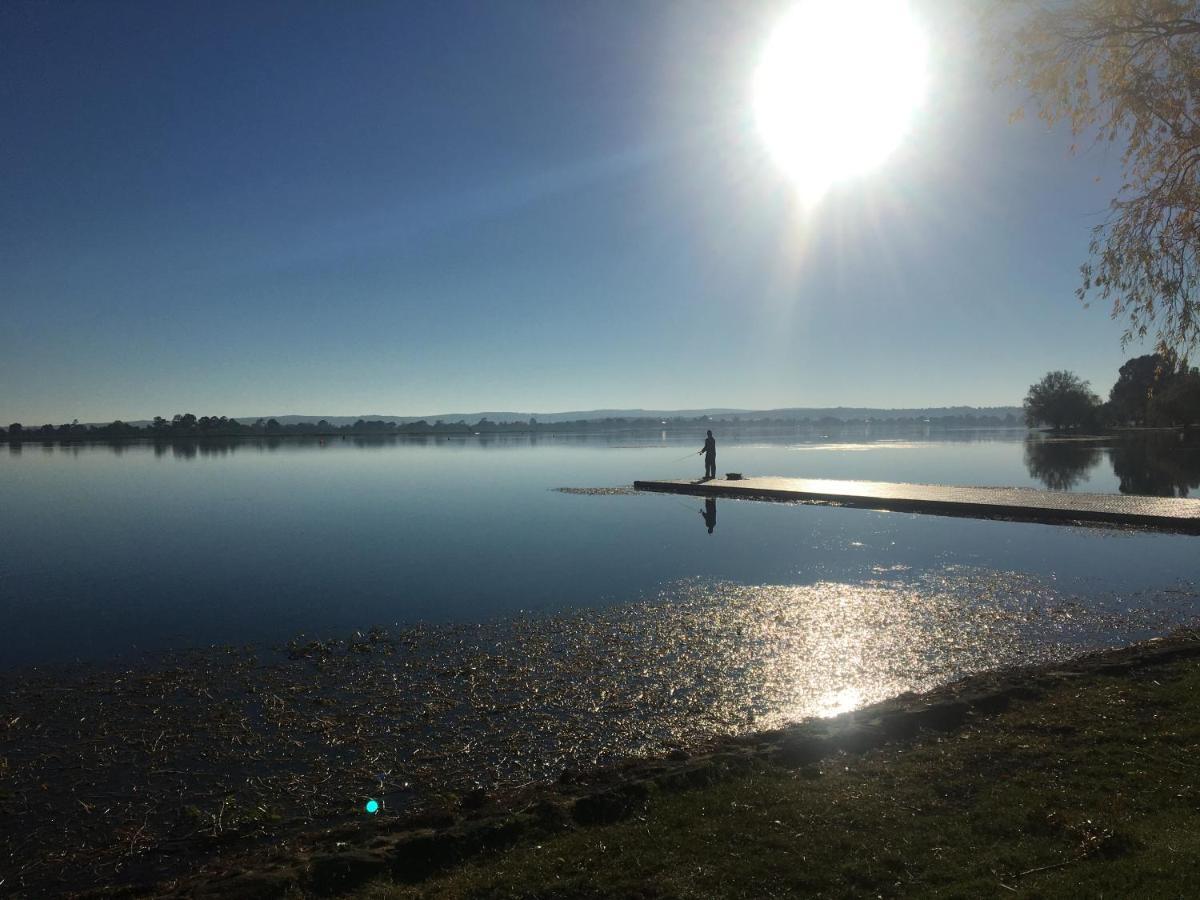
710	456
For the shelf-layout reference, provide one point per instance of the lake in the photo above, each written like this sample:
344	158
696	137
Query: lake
113	551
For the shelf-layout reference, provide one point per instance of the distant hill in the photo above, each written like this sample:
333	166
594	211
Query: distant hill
788	413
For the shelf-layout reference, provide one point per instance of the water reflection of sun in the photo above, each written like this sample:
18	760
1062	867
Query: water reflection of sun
776	654
841	701
833	655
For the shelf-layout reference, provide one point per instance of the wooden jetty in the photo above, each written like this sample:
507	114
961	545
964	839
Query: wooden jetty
1019	504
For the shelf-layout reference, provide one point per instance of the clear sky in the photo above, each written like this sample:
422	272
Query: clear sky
252	208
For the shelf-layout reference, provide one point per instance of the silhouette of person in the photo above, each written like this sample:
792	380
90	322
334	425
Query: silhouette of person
710	514
710	456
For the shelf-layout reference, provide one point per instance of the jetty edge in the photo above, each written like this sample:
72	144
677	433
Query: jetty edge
1173	514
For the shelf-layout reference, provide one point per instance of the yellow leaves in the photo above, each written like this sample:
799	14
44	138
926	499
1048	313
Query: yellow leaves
1126	71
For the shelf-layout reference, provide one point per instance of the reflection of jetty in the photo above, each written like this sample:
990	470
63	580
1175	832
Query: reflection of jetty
1021	504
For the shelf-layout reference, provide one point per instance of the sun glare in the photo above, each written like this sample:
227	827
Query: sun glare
837	87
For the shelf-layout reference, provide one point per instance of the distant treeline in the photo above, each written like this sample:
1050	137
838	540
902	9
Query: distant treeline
187	425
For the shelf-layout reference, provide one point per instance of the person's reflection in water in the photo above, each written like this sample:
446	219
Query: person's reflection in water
710	514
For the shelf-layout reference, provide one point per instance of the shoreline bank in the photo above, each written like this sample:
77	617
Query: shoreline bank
420	851
128	776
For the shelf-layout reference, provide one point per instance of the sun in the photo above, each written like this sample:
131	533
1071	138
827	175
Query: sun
837	87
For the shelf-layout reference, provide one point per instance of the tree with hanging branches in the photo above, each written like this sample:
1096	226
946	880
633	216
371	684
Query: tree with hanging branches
1125	72
1061	400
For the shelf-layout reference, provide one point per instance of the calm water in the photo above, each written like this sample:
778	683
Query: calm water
109	551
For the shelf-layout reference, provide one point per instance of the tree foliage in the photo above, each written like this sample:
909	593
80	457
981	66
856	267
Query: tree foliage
1061	400
1126	72
1178	401
1155	390
1138	379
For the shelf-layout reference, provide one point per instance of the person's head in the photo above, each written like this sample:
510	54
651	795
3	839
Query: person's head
710	433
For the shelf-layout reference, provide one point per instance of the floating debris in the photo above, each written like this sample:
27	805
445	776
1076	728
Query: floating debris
597	491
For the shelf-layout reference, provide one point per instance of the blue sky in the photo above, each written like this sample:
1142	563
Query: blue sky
406	208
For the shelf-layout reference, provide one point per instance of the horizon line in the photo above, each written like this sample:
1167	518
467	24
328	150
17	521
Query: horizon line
627	412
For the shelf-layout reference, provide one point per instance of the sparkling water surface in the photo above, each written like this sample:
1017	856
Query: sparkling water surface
110	551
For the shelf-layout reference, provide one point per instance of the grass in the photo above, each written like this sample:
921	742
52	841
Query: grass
1092	790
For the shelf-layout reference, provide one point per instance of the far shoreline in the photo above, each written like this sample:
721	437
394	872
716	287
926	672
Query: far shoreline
572	429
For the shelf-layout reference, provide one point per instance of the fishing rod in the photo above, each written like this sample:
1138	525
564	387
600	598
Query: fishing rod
689	456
